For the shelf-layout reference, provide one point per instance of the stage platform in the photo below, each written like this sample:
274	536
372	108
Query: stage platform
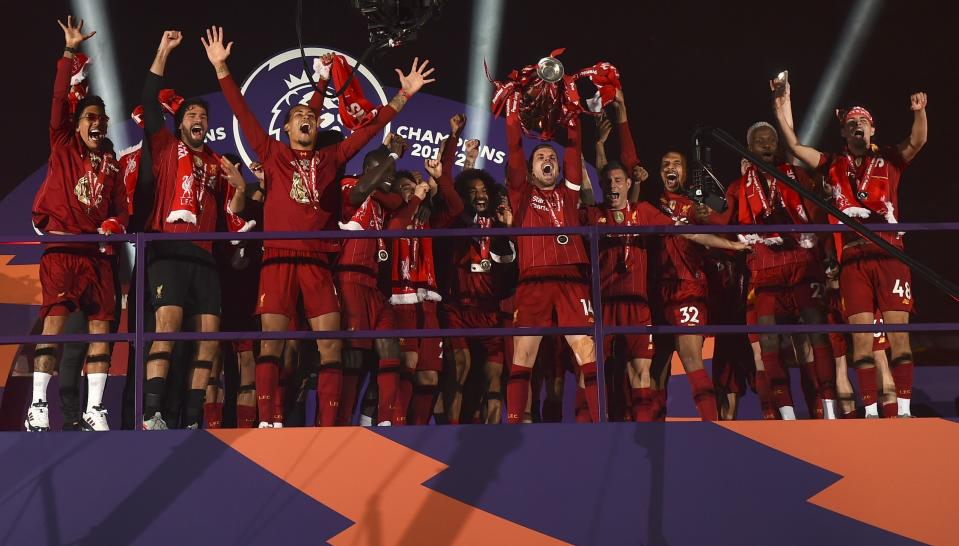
890	481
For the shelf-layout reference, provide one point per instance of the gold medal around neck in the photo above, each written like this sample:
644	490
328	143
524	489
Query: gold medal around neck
619	216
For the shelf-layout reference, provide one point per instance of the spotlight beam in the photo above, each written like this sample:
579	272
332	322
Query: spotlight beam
859	23
104	74
484	45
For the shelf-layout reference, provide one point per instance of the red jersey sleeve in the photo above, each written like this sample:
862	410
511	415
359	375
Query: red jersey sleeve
119	205
259	140
516	167
573	154
388	200
452	202
61	124
627	148
404	217
361	137
652	216
894	156
319	96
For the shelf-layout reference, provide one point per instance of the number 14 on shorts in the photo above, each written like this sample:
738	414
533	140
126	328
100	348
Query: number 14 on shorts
587	306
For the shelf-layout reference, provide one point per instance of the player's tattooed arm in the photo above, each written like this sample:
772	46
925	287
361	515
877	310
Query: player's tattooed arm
411	83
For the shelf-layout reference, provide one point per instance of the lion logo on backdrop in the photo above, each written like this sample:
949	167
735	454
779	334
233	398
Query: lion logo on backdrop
281	82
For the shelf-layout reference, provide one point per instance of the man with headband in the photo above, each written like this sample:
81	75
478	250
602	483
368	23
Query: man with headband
301	195
865	181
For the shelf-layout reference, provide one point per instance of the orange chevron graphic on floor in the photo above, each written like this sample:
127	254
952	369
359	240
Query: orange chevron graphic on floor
897	474
377	483
19	284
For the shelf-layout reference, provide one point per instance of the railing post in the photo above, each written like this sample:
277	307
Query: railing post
597	321
139	286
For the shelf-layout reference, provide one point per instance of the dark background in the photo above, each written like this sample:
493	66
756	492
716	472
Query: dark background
683	63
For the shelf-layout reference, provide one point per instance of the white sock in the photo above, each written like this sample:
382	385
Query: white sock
829	408
96	383
366	420
40	382
277	425
903	404
873	409
787	413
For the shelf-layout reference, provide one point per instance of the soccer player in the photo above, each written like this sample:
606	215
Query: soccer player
194	188
785	270
301	195
683	284
553	286
865	181
82	193
473	290
415	295
366	200
623	267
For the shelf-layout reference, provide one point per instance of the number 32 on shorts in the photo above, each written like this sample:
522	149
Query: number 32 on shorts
690	315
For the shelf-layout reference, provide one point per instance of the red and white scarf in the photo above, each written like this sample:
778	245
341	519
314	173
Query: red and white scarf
414	276
355	110
195	177
861	197
758	206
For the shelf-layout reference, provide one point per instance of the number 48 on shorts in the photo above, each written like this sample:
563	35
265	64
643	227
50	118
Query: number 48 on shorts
902	289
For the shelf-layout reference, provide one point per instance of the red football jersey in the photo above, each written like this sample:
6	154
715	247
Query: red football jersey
877	175
81	189
165	150
301	194
680	258
359	260
623	258
537	207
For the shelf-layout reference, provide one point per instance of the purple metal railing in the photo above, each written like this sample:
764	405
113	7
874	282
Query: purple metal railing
598	330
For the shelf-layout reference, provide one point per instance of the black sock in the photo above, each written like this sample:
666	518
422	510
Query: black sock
153	396
194	406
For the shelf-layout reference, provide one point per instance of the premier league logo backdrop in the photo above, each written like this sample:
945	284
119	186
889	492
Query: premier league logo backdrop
282	82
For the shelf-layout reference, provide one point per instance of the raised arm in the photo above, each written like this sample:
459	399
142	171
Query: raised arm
373	178
782	108
573	154
452	202
516	167
920	128
217	53
321	68
603	128
152	112
627	148
61	124
472	153
586	196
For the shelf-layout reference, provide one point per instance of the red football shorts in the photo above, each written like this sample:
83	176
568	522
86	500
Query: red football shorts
364	308
73	279
457	316
286	274
625	312
870	280
786	289
684	302
545	303
418	316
